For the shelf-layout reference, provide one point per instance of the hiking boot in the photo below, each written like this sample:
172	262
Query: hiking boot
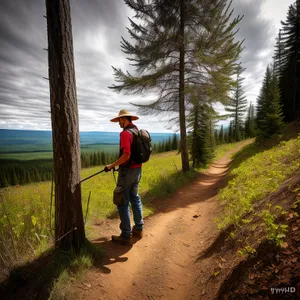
137	233
119	239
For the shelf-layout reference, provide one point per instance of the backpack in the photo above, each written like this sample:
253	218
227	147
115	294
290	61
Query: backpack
141	145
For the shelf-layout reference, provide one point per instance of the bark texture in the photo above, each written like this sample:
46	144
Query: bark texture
69	226
183	142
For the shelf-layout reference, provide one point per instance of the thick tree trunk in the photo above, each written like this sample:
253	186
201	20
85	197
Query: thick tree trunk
69	226
183	140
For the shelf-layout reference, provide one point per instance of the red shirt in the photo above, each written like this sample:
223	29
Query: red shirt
126	139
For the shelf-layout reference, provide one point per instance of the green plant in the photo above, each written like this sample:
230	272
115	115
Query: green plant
255	174
247	250
276	232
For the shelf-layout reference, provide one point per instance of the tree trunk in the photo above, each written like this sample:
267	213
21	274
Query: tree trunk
69	226
183	141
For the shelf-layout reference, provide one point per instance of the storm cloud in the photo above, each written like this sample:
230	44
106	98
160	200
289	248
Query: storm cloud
97	29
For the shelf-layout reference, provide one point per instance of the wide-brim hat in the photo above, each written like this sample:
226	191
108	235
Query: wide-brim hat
124	113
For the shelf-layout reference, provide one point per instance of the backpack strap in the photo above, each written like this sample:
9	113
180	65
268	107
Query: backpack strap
134	131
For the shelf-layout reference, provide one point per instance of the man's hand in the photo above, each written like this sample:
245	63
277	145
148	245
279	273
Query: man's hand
108	168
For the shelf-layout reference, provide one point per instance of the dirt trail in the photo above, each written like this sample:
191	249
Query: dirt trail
164	264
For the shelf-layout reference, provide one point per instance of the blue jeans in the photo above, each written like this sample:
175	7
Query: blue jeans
129	179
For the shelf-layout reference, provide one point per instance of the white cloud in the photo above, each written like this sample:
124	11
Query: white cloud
97	30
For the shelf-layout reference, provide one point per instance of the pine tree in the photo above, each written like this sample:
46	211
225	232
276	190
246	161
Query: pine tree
279	62
175	142
69	225
14	178
172	48
217	137
3	180
269	112
230	132
250	122
200	146
28	177
221	135
237	106
226	136
290	63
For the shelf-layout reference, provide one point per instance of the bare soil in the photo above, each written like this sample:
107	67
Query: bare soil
179	255
182	254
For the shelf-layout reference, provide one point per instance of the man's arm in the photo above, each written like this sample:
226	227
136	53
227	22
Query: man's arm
123	159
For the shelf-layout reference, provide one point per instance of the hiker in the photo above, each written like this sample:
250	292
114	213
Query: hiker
128	181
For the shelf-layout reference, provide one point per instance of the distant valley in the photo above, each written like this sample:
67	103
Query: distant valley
26	141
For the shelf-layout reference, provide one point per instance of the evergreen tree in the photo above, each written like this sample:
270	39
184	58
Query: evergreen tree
237	106
200	146
175	142
171	48
217	137
221	135
4	182
269	112
14	178
289	57
226	136
169	144
250	122
279	62
230	132
28	177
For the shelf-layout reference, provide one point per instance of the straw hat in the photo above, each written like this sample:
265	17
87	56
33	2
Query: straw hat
124	113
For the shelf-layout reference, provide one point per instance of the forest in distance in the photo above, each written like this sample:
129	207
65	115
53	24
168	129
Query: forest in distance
26	156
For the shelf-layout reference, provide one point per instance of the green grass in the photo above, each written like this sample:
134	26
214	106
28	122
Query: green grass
154	172
25	226
37	153
257	176
222	149
27	155
27	208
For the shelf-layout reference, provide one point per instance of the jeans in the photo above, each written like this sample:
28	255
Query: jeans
129	179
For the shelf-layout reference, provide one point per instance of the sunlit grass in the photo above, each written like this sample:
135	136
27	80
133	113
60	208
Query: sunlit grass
257	177
25	210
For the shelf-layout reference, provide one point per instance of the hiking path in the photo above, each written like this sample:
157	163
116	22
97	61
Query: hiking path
166	263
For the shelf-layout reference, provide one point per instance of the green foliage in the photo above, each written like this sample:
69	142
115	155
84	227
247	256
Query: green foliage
201	139
247	250
24	171
26	226
172	55
269	113
250	125
254	178
221	137
72	266
237	106
276	232
288	64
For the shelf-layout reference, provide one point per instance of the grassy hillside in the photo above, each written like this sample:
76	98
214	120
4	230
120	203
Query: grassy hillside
26	209
25	222
257	172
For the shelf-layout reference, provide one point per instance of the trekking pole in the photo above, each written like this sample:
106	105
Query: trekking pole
91	176
104	170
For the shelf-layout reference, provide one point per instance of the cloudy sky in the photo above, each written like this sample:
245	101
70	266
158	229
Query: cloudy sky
97	29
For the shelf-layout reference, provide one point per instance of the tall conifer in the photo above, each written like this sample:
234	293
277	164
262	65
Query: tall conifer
237	106
290	63
269	111
178	43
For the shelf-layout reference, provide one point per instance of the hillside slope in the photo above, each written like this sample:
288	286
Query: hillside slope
183	254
